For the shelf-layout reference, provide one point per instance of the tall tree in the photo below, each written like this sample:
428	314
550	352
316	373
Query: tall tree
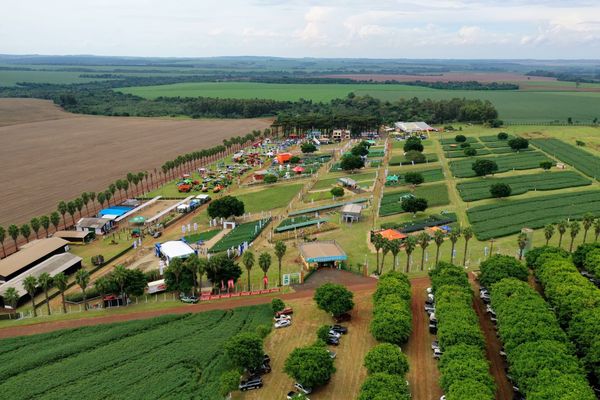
202	267
45	223
596	229
82	278
548	233
395	247
264	262
176	268
522	243
574	229
454	236
409	246
248	261
35	226
30	285
71	209
101	198
423	240
107	196
93	200
79	205
62	209
562	229
2	239
467	234
13	232
61	282
438	238
192	263
119	276
384	251
588	221
45	282
280	249
11	297
85	198
25	231
55	219
377	241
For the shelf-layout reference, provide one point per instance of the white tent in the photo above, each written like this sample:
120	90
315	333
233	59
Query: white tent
175	249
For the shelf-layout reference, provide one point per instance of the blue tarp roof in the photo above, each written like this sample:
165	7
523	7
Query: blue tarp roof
116	210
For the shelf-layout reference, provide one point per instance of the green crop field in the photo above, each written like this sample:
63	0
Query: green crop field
401	159
516	161
390	203
480	189
204	236
586	162
246	232
512	105
174	356
461	153
436	195
455	147
11	78
430	175
506	217
270	198
329	182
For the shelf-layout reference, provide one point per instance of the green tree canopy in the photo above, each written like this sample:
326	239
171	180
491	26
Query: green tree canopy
388	358
245	350
311	366
334	298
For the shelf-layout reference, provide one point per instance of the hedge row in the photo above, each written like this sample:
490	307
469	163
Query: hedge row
576	303
540	358
392	316
464	369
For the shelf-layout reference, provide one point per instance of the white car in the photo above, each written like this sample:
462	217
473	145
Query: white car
283	317
282	323
305	390
335	334
332	354
429	290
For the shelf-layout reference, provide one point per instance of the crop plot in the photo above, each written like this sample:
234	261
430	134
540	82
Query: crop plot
242	233
515	161
480	189
586	162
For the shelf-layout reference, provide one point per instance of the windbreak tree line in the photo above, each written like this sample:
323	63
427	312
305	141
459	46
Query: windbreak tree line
463	366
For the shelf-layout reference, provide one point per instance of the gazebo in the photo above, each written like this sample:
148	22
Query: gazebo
322	254
298	169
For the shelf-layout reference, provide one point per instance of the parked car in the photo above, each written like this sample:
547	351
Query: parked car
254	382
282	318
282	323
437	353
339	329
266	359
342	318
285	311
305	390
334	334
333	341
432	328
157	234
295	395
188	299
429	290
332	354
264	368
435	345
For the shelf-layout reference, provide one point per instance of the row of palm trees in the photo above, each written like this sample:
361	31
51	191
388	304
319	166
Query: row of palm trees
574	227
385	246
167	171
46	282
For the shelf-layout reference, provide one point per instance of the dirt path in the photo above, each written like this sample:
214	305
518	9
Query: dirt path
423	375
492	350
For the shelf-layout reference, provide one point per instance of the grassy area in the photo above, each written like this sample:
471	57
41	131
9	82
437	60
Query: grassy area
328	182
269	198
162	356
436	195
11	78
242	233
584	161
516	161
480	189
391	203
204	236
108	246
402	160
430	175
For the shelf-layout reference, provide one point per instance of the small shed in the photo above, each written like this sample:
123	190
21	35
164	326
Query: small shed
347	182
322	254
75	236
99	226
351	212
392	234
282	158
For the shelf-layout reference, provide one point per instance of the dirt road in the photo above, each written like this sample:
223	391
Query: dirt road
423	374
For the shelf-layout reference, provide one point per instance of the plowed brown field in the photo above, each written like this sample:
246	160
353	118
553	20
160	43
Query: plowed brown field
48	155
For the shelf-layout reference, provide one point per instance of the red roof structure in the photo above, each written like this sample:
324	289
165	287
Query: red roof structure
391	234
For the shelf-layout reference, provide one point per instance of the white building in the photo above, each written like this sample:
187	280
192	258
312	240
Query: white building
413	127
174	249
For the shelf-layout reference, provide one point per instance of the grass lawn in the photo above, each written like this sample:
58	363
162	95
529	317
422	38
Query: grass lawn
436	195
270	198
204	236
516	161
328	182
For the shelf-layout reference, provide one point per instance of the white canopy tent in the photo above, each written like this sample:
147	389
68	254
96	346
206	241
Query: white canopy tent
175	249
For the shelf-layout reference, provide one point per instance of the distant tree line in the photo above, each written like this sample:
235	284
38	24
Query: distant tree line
581	76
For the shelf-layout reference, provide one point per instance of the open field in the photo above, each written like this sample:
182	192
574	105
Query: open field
584	161
447	77
177	355
85	153
516	161
512	105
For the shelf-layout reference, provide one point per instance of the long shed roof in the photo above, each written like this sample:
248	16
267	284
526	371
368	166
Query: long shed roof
29	254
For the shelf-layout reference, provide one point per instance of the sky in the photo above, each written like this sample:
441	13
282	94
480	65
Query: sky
542	29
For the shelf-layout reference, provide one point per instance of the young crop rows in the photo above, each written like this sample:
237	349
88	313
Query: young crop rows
176	356
436	195
496	220
480	189
587	163
514	161
391	203
242	233
402	160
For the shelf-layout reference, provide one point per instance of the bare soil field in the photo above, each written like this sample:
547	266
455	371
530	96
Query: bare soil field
49	155
447	77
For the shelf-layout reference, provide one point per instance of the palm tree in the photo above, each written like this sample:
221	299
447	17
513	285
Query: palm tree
30	285
264	262
423	240
385	249
45	223
176	267
136	182
438	238
202	268
522	243
467	234
280	249
85	198
101	198
596	229
103	285
82	278
119	186
548	233
55	219
71	209
107	196
35	226
112	189
61	282
248	261
395	247
454	236
191	264
79	205
25	231
62	209
2	238
588	221
93	200
13	232
562	229
377	241
574	230
119	276
409	246
125	186
45	282
11	297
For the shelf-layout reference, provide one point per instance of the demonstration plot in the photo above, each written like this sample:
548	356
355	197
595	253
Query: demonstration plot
516	161
586	162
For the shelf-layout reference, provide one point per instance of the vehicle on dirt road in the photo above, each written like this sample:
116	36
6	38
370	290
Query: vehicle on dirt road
332	354
282	323
302	389
254	382
333	341
285	311
188	299
437	353
339	329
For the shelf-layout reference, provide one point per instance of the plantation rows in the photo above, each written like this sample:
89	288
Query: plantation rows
436	195
453	147
502	219
587	163
463	366
177	357
242	233
515	161
429	175
390	203
480	189
540	358
402	160
575	300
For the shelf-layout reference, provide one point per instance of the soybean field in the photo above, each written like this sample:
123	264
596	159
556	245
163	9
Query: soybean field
173	356
515	161
246	232
480	189
502	219
586	162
